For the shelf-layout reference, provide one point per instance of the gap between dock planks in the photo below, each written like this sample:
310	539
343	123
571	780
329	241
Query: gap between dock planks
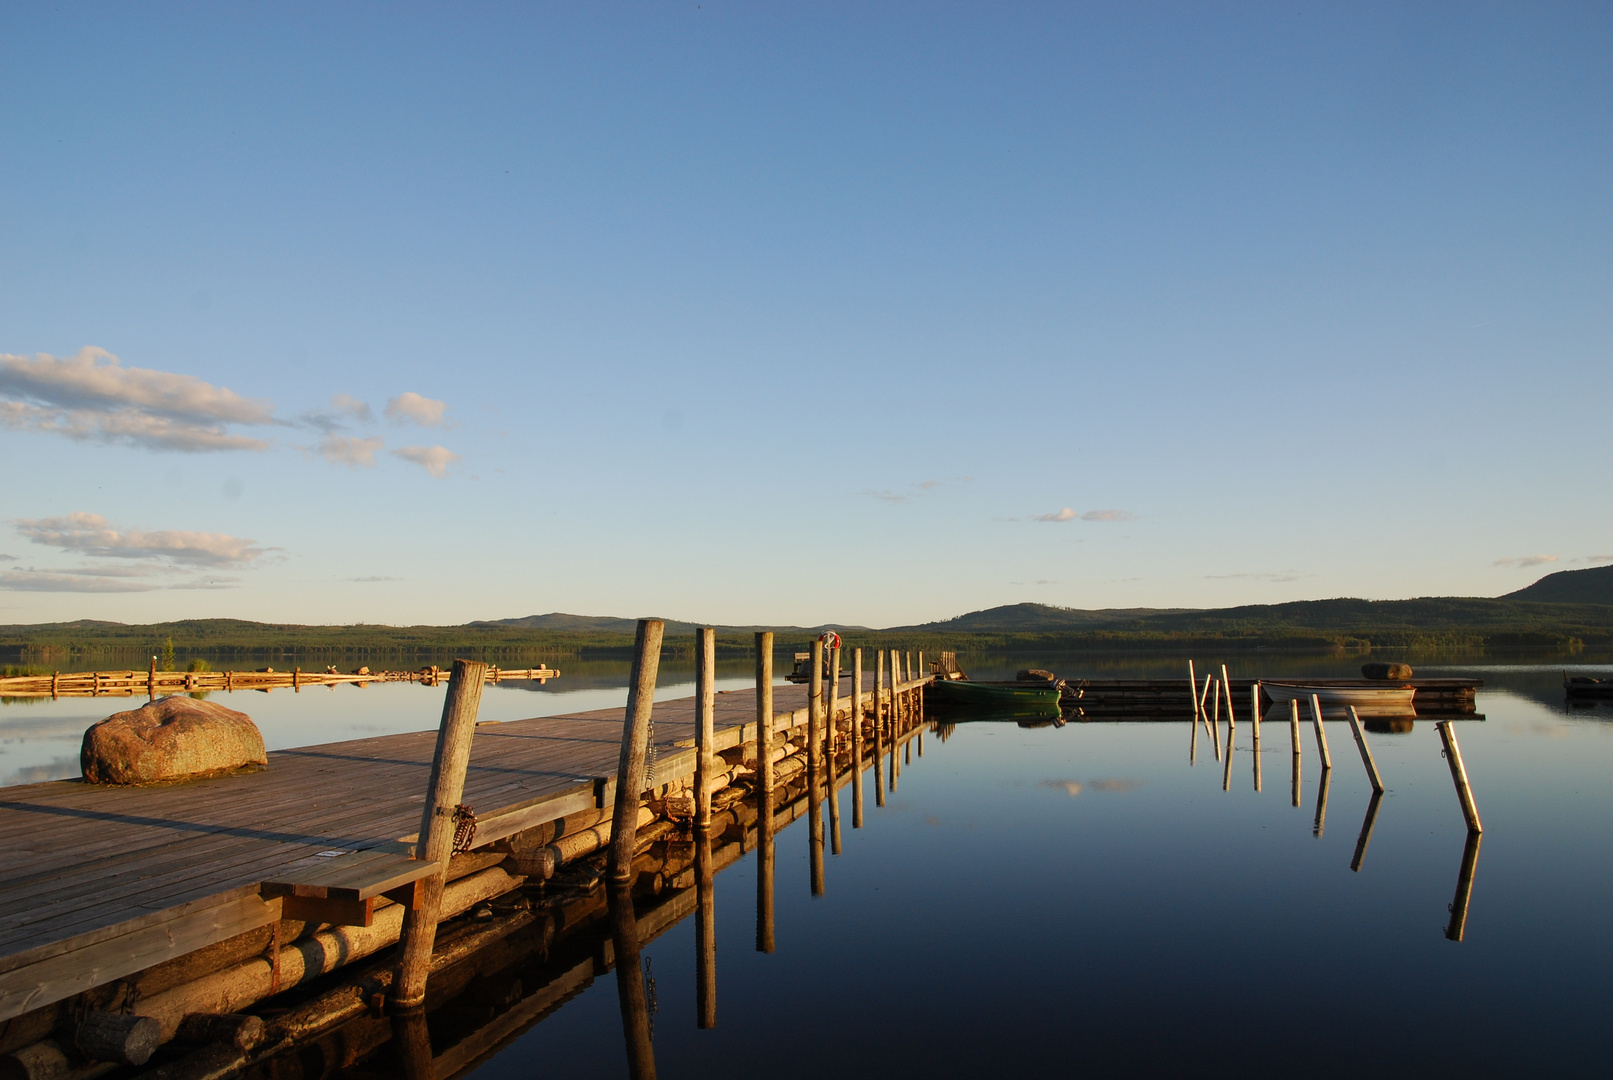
100	872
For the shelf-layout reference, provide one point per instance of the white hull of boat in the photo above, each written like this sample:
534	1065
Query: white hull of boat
1368	700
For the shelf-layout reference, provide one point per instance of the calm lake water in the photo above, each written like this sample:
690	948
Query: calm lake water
1047	901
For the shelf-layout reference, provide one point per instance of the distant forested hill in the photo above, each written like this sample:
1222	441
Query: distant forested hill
1565	610
1593	586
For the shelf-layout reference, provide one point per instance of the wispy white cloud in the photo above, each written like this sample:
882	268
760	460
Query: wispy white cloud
372	578
915	490
344	409
409	406
1525	560
92	397
347	403
92	534
1068	514
434	459
1598	558
350	450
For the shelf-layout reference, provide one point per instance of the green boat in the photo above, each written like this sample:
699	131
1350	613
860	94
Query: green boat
1008	696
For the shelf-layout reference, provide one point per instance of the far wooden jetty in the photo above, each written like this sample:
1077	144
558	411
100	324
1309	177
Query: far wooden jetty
151	682
146	913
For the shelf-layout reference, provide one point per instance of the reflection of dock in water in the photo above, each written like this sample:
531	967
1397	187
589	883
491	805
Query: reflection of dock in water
526	961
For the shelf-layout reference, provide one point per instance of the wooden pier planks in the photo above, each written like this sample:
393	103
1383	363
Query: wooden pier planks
88	874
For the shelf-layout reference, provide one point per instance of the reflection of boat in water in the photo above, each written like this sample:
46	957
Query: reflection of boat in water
1583	686
1368	697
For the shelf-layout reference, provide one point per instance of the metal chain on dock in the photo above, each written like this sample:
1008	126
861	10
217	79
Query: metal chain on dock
464	828
650	755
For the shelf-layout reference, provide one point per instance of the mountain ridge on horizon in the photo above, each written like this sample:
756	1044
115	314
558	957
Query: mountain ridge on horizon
1566	605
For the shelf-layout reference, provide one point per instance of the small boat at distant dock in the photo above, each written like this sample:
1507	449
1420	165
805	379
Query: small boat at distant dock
962	693
1362	694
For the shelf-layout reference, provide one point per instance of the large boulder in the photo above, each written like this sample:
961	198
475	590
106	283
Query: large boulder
1385	671
173	738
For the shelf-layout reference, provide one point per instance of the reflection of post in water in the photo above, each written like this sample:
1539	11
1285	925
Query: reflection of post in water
1365	838
831	753
815	828
1254	716
630	984
1321	802
764	793
1215	718
857	738
1464	887
1232	733
879	729
1193	744
705	933
411	1043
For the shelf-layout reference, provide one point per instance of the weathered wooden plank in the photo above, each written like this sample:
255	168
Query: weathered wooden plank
77	966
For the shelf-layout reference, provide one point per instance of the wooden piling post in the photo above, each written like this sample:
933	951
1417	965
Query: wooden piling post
1297	760
151	681
631	765
1366	753
435	842
815	712
1321	735
1464	886
1321	803
705	705
1204	695
1464	791
832	726
1215	720
857	738
764	792
1193	692
1365	837
1226	688
1254	712
1293	735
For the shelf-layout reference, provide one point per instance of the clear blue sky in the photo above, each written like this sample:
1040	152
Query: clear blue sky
872	313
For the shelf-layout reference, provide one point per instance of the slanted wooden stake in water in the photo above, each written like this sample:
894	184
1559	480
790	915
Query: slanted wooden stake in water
1226	688
1193	692
1321	735
437	822
1464	791
1366	752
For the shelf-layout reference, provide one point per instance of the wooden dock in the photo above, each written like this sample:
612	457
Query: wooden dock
1168	698
113	896
151	682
